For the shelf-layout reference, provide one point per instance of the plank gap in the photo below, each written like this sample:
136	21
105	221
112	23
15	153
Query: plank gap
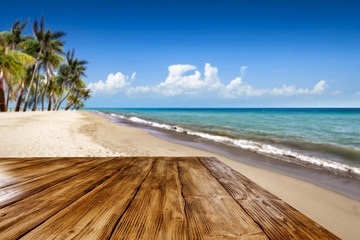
127	207
182	194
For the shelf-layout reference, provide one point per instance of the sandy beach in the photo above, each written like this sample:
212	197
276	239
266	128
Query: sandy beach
64	134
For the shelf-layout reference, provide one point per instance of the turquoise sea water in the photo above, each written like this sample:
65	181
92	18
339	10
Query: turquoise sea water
311	135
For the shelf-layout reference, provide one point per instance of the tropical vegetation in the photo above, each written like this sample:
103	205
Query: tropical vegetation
36	73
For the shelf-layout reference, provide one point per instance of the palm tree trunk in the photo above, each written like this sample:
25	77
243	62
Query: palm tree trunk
59	98
55	101
68	93
2	93
17	108
68	106
36	92
46	87
31	83
72	102
8	97
50	97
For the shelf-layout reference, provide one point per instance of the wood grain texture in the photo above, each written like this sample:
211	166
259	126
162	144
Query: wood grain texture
21	217
24	162
276	218
20	171
94	215
22	189
157	211
141	198
212	213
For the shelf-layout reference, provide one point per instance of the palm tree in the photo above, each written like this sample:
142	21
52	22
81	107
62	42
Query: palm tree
24	60
50	60
12	62
75	99
22	88
37	86
13	84
63	81
75	86
36	91
76	71
50	46
13	39
52	90
36	47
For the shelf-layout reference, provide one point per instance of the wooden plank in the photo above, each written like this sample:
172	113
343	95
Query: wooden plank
94	215
55	174
19	218
24	162
211	212
157	211
12	174
276	218
142	198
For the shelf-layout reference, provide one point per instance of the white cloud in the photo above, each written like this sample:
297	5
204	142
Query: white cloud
319	87
185	79
357	93
237	88
113	83
178	82
212	79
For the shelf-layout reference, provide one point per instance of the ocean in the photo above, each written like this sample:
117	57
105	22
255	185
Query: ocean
321	137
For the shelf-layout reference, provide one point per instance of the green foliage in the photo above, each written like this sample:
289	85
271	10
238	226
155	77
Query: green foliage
23	58
14	62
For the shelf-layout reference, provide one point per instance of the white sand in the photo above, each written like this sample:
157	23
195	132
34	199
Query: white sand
40	134
57	134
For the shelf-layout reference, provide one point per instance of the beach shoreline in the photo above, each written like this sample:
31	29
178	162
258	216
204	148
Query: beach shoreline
282	136
335	181
62	134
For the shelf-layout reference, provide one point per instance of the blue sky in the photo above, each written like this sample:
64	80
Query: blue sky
209	53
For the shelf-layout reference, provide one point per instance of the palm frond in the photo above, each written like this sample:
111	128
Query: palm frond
24	24
58	34
42	23
23	58
15	25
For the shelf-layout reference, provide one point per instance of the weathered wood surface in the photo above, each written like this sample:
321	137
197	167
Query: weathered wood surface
141	198
276	218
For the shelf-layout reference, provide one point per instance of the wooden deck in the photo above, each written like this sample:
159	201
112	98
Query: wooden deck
141	198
